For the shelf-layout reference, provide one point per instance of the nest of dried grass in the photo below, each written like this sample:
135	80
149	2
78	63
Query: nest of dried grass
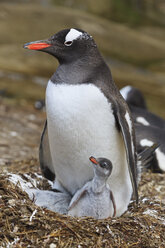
23	224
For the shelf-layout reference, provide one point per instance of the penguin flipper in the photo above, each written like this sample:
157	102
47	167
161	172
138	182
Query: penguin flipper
76	198
113	202
45	159
124	122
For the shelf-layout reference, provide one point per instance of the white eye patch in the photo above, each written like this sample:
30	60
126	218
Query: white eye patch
73	34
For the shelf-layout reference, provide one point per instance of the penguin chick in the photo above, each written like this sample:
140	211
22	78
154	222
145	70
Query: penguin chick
95	199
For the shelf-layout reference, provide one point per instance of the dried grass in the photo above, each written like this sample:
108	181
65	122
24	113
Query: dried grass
141	226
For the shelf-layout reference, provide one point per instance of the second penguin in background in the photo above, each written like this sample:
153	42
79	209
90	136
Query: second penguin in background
95	199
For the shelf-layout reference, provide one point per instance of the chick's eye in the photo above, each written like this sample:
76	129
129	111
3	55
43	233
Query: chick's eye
68	43
103	165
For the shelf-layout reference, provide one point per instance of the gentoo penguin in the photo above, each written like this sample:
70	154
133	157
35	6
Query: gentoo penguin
85	115
133	97
146	136
137	105
54	201
95	199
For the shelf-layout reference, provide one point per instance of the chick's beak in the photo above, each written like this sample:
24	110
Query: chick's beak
93	160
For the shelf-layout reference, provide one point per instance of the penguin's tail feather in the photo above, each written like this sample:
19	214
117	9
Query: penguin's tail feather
145	158
147	155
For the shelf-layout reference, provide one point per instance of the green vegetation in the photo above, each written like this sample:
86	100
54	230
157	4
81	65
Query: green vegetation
130	12
124	11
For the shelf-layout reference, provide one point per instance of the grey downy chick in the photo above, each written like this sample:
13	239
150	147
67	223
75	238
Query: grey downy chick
95	199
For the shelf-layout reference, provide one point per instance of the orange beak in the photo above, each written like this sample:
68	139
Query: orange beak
93	160
37	45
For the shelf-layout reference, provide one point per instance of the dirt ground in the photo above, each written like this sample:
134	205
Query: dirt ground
23	224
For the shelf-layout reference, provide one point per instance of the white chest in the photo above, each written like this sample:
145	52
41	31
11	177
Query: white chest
97	205
81	124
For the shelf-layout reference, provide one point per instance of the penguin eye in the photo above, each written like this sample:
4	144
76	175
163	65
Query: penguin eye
103	165
68	43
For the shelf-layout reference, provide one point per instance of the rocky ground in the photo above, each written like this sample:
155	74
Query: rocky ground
136	55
